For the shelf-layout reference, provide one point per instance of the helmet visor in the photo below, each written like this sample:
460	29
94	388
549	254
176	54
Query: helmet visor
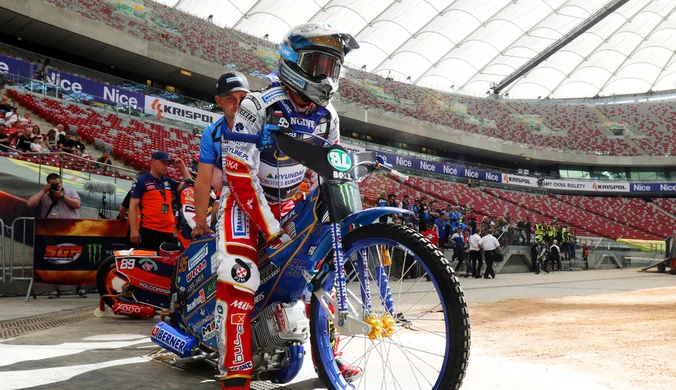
319	65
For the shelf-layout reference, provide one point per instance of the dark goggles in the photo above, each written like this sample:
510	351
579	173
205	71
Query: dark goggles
319	65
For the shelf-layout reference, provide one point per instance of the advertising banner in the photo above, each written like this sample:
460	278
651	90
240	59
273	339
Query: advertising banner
438	167
14	66
106	93
69	251
517	180
75	84
653	187
589	186
175	111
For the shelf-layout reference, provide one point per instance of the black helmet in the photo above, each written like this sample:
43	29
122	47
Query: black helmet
230	82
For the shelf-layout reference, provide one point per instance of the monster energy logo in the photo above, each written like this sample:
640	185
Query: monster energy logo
346	191
94	252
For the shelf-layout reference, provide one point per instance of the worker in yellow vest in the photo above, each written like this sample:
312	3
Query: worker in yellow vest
539	230
550	233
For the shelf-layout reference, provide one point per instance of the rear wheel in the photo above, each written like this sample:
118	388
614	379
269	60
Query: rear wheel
420	331
109	282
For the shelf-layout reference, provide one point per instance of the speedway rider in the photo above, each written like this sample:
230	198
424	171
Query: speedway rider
311	58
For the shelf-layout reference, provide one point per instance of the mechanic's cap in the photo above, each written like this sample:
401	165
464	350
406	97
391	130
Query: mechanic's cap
161	156
230	82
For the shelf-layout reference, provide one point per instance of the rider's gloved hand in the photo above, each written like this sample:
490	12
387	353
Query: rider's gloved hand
266	137
278	241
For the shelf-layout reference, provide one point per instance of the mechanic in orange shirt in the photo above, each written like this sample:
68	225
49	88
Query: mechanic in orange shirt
152	193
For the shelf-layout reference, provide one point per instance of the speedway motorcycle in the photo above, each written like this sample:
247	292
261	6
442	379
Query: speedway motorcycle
367	282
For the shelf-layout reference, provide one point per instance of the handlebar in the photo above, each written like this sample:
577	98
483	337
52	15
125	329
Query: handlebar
241	137
388	168
255	139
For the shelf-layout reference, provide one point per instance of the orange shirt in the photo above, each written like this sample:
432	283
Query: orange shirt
154	196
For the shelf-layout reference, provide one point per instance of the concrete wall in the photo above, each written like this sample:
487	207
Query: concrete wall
37	9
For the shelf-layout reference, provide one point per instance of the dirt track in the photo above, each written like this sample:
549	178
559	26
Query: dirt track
626	340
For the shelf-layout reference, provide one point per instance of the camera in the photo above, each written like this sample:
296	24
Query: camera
55	187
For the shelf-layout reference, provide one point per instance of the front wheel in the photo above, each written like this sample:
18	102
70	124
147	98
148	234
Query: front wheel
420	330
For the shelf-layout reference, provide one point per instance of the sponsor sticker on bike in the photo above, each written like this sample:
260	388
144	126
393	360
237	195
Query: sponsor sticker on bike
197	257
339	160
195	283
148	265
154	289
198	300
198	270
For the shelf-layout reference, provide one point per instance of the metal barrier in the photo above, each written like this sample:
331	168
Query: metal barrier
25	254
2	251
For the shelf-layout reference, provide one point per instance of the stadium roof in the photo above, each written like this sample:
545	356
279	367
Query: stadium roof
466	45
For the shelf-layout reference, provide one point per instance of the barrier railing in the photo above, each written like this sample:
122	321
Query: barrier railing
92	170
25	253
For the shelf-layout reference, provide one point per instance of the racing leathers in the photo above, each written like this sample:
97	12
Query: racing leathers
258	182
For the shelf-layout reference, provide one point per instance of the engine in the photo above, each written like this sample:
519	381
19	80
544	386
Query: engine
281	325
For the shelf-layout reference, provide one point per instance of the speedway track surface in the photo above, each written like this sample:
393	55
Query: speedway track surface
591	330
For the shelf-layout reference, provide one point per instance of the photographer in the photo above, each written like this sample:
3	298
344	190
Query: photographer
56	201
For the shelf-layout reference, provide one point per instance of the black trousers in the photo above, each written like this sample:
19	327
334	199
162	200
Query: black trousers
152	239
489	263
457	254
477	263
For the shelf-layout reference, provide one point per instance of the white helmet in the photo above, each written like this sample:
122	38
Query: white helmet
310	60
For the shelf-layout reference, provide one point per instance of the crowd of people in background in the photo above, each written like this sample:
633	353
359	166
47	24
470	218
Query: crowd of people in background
454	227
18	133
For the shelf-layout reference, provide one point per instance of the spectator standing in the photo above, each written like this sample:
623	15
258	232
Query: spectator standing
490	245
382	202
393	202
527	227
440	224
585	255
55	201
475	254
424	211
429	233
465	253
124	207
457	240
555	256
152	193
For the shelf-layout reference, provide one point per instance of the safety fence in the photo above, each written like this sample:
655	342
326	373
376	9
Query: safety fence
17	262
